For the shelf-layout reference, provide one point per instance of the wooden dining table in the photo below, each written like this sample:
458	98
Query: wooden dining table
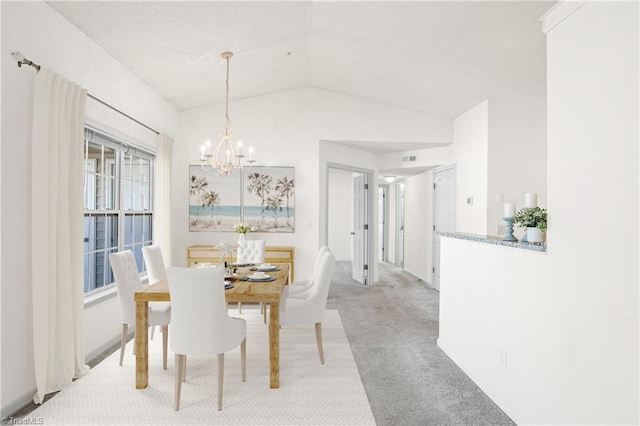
243	291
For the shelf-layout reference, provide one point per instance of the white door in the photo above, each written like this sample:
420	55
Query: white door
359	228
400	224
444	196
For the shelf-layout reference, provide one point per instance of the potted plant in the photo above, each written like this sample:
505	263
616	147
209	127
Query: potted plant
241	228
535	220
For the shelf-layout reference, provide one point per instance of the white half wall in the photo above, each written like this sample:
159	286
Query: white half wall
43	36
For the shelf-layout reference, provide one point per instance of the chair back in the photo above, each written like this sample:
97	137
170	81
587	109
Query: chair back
251	251
155	265
322	281
310	310
200	324
316	266
125	272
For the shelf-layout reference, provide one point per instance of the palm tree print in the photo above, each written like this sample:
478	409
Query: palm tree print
260	184
211	199
285	188
274	204
198	187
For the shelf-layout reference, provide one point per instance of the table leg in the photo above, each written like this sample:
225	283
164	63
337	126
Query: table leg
142	344
274	345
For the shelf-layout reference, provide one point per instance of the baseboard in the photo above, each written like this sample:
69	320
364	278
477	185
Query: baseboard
107	345
492	393
17	404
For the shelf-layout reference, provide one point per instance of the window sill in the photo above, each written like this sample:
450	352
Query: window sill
100	297
94	299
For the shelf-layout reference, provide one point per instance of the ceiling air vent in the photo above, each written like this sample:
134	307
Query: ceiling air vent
409	158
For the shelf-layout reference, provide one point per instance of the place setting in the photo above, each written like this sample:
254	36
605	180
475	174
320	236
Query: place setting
258	276
265	267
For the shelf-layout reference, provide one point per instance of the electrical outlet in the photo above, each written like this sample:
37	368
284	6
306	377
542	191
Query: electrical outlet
503	360
501	229
470	201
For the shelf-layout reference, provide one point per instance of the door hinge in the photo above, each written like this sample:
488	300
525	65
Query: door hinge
366	186
433	270
434	227
434	185
366	227
366	267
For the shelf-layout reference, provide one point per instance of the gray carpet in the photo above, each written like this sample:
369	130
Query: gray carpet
392	327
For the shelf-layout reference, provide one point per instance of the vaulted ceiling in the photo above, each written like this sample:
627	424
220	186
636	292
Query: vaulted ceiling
435	57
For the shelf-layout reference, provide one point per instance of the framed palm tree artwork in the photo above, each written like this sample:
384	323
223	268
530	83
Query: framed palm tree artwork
214	200
269	201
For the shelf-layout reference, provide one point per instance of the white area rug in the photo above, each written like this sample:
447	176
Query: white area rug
310	393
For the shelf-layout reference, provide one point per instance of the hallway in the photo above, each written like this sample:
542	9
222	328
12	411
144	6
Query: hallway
392	327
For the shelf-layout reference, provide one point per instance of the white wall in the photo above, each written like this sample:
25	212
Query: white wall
470	154
340	221
517	161
553	338
418	255
294	128
46	38
592	176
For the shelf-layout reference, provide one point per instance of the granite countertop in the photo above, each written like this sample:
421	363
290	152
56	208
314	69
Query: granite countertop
498	241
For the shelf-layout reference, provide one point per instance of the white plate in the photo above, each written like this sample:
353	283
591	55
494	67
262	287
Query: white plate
270	268
265	278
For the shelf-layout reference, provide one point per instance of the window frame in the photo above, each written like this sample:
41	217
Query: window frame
124	149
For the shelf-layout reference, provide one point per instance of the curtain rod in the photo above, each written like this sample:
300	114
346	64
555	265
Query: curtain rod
19	57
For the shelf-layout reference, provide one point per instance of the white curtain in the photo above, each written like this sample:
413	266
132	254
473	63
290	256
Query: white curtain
162	197
57	232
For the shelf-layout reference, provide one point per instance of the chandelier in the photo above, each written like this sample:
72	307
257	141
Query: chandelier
227	156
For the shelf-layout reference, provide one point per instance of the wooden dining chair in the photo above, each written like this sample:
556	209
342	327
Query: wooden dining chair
200	324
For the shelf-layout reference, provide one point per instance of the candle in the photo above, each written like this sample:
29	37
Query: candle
202	148
509	210
530	200
250	153
240	147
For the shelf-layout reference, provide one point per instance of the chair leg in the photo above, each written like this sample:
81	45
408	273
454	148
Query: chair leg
239	307
153	329
184	369
178	380
123	341
220	379
264	312
243	356
319	340
165	339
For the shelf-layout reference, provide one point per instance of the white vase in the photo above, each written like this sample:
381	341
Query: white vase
240	239
535	235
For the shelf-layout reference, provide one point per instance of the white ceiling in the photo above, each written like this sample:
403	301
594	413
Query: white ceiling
435	57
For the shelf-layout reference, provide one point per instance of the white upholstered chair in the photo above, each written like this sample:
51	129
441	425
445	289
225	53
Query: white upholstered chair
200	324
155	264
250	251
300	289
156	271
128	283
310	309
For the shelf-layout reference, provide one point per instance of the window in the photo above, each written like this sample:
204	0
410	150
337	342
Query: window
118	207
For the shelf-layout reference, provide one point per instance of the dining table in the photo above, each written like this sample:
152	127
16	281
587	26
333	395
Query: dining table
243	290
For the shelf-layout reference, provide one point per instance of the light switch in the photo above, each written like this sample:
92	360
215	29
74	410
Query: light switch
307	224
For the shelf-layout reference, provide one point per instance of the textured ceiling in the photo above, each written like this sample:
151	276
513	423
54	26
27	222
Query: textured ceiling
436	57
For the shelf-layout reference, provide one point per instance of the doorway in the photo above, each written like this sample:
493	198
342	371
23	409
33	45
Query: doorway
350	216
444	214
399	261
